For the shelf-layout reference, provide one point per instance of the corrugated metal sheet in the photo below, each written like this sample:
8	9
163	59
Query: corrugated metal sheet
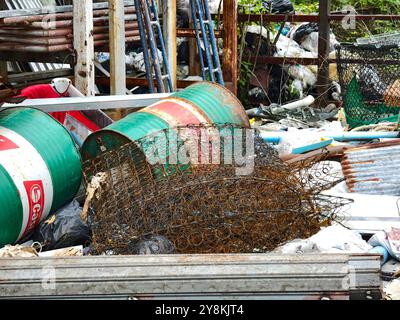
373	169
229	276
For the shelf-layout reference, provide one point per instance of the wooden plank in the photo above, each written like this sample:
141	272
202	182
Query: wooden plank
117	47
323	52
230	54
169	29
117	52
84	46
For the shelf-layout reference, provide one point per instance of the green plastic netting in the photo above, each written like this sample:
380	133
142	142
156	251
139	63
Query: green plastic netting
370	80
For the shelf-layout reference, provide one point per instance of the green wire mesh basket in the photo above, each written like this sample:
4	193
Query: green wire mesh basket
370	79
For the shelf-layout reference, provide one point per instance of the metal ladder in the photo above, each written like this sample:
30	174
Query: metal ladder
147	17
202	17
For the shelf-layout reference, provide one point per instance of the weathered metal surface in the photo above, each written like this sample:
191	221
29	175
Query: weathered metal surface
373	169
200	103
192	276
40	170
218	103
39	30
91	103
38	11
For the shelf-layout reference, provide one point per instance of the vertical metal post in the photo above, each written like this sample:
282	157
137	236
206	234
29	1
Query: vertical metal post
84	46
153	47
323	52
230	54
169	28
143	40
117	50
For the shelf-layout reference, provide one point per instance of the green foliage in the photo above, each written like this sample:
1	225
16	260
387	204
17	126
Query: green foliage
379	6
250	6
305	6
246	72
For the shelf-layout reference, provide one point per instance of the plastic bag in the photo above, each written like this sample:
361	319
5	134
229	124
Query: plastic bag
154	244
306	35
136	60
333	239
278	6
64	229
304	74
253	38
286	47
304	30
390	240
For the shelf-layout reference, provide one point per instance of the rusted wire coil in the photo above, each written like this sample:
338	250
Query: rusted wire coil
208	208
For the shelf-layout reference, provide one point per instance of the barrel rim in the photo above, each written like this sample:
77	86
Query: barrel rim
179	99
226	90
93	136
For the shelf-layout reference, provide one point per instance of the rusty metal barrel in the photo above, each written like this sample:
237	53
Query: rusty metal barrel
40	170
201	103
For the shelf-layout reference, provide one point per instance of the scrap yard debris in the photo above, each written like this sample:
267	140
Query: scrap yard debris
207	208
287	144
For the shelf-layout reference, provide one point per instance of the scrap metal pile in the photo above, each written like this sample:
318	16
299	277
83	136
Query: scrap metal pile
51	30
207	208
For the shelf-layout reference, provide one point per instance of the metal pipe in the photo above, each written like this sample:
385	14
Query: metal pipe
57	16
153	47
196	29
276	136
35	40
214	47
205	39
145	48
36	33
56	9
91	103
37	48
162	45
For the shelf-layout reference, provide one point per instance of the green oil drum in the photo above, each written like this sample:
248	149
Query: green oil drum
40	170
201	103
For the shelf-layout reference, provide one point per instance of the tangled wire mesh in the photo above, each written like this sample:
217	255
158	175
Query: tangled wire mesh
202	206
